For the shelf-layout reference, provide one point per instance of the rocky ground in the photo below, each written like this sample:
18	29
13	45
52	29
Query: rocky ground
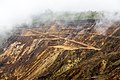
62	53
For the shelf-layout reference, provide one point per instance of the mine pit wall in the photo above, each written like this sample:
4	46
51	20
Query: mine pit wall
69	22
30	57
91	64
63	64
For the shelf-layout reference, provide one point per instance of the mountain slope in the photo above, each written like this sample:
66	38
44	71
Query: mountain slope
61	54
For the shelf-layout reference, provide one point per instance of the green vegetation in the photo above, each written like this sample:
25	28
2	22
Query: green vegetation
48	15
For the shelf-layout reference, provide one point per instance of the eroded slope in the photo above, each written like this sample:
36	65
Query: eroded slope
61	54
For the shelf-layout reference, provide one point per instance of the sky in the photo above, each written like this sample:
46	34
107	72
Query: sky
18	11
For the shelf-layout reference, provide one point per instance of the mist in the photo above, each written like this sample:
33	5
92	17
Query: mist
18	11
15	12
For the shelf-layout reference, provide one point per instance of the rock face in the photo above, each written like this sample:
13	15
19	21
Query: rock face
116	32
64	54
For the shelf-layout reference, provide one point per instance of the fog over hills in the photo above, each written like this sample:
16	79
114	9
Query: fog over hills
16	12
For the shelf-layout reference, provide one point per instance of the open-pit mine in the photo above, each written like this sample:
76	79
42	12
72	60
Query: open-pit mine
60	51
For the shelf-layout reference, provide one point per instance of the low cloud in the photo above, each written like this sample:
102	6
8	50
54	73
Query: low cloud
15	12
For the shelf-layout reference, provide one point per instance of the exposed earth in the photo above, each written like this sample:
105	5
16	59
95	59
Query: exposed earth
62	52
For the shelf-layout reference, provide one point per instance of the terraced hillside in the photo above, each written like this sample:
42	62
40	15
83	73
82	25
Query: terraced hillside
60	52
